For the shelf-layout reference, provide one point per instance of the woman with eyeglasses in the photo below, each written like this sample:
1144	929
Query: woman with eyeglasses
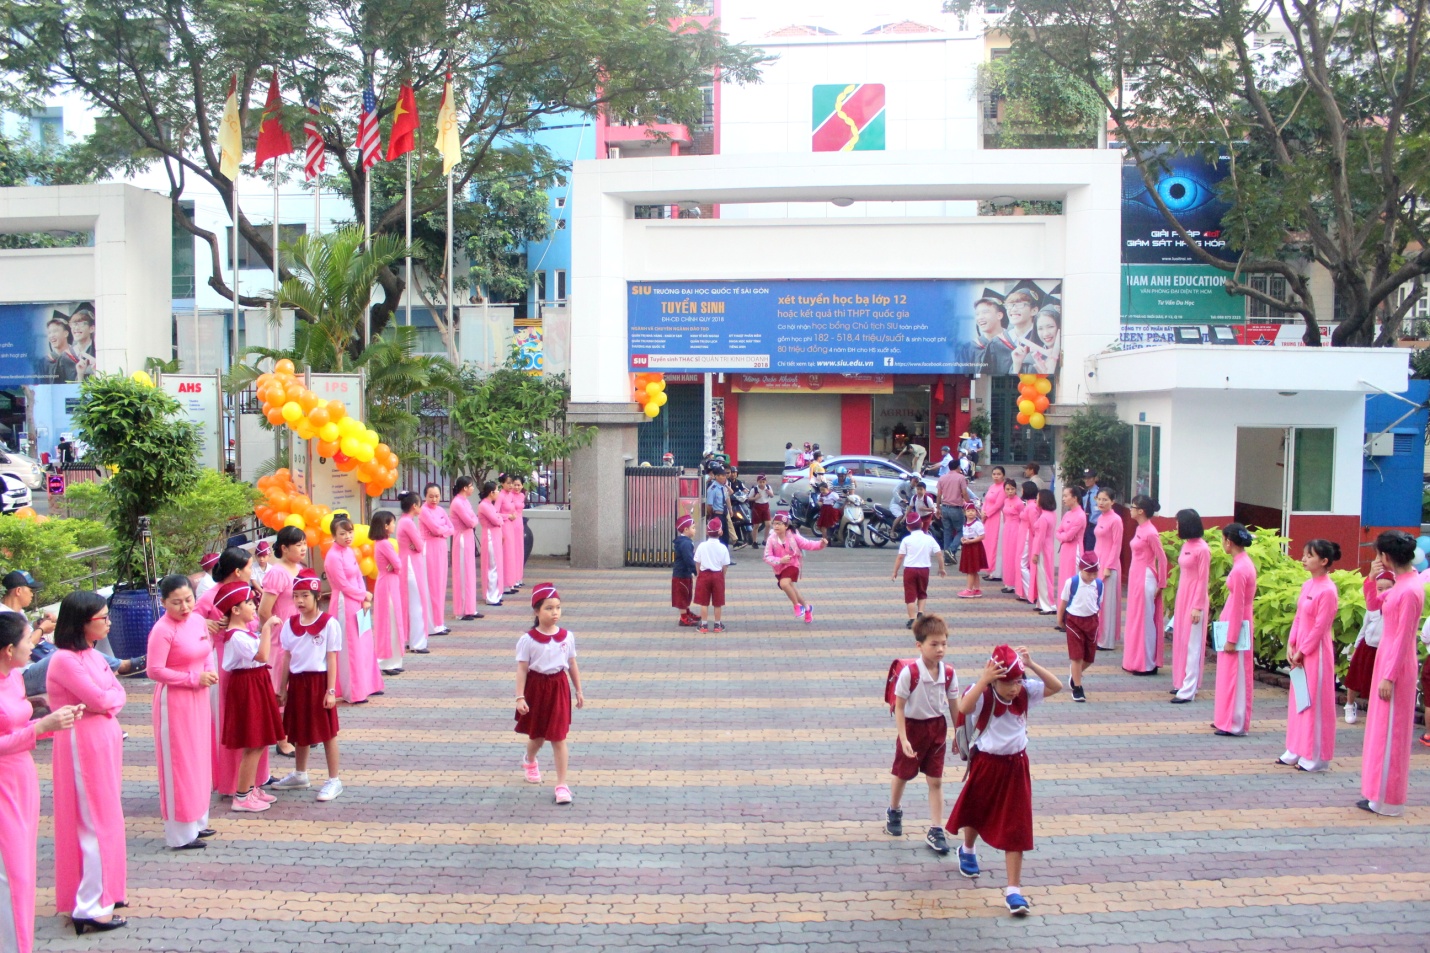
90	863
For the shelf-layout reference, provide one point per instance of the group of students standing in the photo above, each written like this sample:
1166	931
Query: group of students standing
243	660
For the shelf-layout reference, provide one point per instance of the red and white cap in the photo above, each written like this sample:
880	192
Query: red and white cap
684	523
541	592
209	561
1007	661
781	517
307	581
263	548
231	595
913	518
713	528
1087	559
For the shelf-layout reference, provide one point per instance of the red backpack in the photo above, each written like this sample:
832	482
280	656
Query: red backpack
897	666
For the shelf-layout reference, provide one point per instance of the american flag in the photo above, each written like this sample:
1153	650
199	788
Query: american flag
369	142
317	159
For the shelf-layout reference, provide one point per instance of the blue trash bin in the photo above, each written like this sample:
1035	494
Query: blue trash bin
132	613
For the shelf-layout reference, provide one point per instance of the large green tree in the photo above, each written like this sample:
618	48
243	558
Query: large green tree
159	71
1320	107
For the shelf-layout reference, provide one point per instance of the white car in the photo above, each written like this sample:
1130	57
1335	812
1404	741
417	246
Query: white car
874	478
28	469
15	493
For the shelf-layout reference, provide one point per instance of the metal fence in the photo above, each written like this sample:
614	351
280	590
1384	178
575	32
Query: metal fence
652	501
550	485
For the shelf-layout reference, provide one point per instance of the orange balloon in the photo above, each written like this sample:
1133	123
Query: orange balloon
374	489
1041	403
282	473
309	402
365	550
312	538
284	366
280	516
1023	418
274	415
326	449
336	411
318	416
347	466
366	473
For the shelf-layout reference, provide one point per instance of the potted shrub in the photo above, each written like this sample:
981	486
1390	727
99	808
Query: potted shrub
134	430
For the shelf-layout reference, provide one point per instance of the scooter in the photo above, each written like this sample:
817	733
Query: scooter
879	525
852	524
802	512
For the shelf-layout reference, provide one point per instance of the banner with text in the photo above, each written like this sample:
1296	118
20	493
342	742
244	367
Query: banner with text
908	326
1178	294
50	343
201	400
813	383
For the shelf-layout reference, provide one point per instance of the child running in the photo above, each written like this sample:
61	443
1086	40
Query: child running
997	798
682	574
1079	612
972	560
711	558
921	695
251	721
784	551
308	690
543	691
917	552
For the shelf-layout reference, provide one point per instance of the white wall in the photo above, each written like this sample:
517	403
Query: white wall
126	273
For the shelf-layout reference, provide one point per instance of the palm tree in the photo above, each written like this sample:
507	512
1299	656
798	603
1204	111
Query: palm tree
333	277
398	380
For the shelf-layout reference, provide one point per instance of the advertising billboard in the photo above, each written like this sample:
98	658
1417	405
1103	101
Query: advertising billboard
46	343
838	326
1187	187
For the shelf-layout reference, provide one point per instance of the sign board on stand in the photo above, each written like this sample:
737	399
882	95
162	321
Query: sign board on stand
201	401
331	487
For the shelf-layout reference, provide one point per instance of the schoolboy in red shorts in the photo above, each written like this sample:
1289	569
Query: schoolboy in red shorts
921	706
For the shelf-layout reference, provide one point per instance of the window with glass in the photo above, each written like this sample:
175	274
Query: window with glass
1313	467
1147	460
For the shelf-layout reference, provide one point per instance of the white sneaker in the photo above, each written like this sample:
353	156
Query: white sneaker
294	780
250	802
1351	713
331	788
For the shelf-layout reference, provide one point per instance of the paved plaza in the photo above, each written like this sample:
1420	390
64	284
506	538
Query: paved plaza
729	797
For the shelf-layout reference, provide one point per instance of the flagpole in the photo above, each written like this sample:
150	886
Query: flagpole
233	351
408	273
450	329
272	330
367	228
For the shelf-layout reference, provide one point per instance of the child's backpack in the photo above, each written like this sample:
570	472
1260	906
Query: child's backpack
963	735
897	666
1072	593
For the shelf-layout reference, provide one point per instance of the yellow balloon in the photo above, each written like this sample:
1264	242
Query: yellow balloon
651	409
654	387
364	453
292	412
372	437
1026	406
369	567
659	386
305	430
360	535
295	520
348	427
1044	385
349	446
1037	421
329	433
142	377
660	399
1027	378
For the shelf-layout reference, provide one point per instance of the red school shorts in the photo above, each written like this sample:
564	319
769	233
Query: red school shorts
1081	631
916	584
680	590
710	589
786	572
929	738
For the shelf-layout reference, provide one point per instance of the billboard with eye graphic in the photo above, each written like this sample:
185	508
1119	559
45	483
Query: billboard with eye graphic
1188	187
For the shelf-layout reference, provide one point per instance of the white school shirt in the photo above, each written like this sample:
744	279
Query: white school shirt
931	697
918	549
241	651
257	572
712	555
972	530
1006	733
1085	603
546	659
309	653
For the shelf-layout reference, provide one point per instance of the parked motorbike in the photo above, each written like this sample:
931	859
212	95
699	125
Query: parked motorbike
852	524
803	513
740	524
880	525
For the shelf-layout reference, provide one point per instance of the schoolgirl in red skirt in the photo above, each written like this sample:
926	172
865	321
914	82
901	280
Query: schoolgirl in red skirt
1360	675
250	709
972	559
997	798
544	656
308	689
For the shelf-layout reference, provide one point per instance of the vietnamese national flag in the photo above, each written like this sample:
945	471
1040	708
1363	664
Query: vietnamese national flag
401	139
273	140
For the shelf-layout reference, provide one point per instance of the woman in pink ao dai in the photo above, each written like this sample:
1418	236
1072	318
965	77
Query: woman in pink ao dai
389	622
358	676
513	532
436	529
491	521
464	550
1311	733
91	867
412	551
1390	716
1233	666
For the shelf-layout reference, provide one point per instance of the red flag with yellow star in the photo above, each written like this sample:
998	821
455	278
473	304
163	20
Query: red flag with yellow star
401	139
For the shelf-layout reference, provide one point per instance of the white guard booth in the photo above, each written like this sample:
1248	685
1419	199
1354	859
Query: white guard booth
611	248
1268	436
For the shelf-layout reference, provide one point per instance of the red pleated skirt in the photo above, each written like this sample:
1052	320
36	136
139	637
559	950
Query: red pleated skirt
250	710
548	700
972	558
1360	674
997	801
305	719
828	517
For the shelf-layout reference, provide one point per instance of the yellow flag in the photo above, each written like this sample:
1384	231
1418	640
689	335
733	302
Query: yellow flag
449	138
230	134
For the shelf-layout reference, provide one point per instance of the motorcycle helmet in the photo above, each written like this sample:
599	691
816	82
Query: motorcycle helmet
841	471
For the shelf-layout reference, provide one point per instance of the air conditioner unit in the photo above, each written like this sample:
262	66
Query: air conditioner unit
613	152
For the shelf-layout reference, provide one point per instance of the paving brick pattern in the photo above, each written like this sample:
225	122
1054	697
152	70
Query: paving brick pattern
729	797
